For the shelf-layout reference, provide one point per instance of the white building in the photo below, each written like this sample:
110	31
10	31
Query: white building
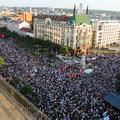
106	33
21	27
24	25
15	25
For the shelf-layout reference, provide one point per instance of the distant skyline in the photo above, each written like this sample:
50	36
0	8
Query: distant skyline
93	4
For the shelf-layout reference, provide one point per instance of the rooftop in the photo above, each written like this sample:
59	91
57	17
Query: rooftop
78	19
15	21
54	17
26	30
113	99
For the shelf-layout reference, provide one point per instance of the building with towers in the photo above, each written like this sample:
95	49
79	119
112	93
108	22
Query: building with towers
80	8
73	31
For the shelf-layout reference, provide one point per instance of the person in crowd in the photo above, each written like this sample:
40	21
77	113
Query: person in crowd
66	93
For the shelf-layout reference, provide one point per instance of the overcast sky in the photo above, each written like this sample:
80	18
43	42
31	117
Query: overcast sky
93	4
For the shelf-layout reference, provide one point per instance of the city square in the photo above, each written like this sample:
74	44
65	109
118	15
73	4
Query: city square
64	91
59	63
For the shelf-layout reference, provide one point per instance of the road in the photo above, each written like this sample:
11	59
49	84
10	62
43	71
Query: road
8	111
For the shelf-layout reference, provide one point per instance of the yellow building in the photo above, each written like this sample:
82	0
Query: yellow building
25	16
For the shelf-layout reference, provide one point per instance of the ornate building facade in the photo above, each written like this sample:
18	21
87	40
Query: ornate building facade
72	31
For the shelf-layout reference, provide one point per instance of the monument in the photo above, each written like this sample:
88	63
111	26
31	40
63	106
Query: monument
82	62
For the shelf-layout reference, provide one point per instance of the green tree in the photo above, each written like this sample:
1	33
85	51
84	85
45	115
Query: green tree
15	82
27	90
29	42
64	50
2	62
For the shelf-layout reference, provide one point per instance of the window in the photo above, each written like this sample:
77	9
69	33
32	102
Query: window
100	27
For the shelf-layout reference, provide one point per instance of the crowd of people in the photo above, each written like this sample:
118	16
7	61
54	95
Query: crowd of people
66	93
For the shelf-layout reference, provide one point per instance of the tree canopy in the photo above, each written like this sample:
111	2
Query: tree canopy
28	92
2	62
15	82
29	42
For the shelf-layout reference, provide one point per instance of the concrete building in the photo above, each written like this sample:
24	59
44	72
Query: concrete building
75	32
106	33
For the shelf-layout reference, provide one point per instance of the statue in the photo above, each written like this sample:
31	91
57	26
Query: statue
82	62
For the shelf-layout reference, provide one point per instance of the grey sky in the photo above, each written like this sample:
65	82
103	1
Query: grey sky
93	4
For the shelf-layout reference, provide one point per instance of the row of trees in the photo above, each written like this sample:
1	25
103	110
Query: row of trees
26	90
36	45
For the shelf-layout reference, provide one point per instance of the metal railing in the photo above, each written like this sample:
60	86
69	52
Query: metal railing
26	108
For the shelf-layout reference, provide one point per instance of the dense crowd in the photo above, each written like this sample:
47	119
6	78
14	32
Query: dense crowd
66	92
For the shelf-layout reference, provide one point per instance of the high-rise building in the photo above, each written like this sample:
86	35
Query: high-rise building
75	32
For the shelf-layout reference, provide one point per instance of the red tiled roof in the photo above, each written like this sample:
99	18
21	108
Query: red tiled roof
25	29
54	17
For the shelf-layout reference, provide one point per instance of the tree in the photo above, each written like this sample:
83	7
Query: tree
29	93
27	90
117	84
2	65
64	50
15	82
2	62
28	42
